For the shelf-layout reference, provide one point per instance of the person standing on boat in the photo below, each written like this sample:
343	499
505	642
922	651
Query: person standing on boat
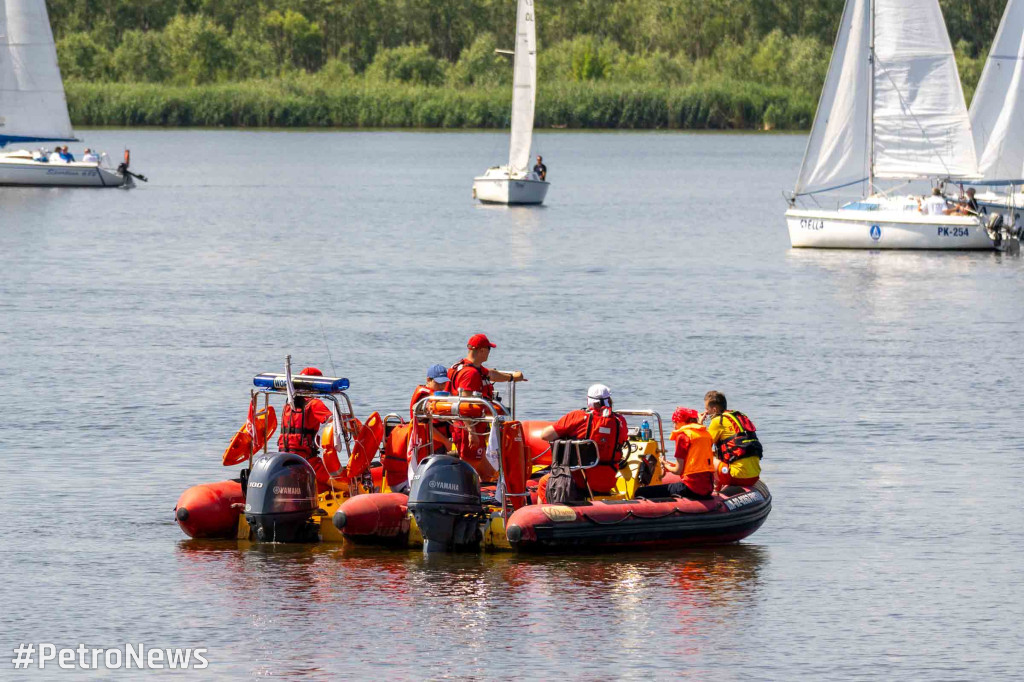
737	450
467	377
540	169
694	460
600	424
299	427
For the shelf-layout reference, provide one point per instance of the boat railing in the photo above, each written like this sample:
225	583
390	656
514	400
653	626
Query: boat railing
648	413
342	409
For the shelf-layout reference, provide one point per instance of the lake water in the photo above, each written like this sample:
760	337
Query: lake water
886	388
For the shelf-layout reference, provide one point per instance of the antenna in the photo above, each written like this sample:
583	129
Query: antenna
328	347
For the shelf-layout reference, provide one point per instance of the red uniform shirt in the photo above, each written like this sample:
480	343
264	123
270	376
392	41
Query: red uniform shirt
471	378
702	483
575	425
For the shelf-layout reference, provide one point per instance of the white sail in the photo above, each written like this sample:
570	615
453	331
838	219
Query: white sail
32	104
524	88
837	149
901	117
921	127
997	111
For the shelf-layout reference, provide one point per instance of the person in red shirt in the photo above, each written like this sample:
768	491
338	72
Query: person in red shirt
598	423
694	460
299	427
468	376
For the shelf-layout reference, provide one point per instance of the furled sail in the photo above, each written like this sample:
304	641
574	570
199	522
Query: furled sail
837	150
921	124
899	116
524	88
32	104
997	111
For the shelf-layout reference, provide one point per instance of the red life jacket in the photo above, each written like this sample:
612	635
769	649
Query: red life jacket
488	387
298	431
609	434
743	443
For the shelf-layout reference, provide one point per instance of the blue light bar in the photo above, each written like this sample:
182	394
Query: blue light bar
301	382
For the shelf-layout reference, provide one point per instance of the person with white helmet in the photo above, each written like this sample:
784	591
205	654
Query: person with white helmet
602	425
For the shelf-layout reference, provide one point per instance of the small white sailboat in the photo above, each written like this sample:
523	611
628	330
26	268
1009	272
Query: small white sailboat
33	108
892	109
516	183
997	120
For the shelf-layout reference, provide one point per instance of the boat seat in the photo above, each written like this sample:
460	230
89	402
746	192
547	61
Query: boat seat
574	454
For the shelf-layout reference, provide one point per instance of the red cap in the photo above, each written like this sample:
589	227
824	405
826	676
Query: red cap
683	415
479	341
311	372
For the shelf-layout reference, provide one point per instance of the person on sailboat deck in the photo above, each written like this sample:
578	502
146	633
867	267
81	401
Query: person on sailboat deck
968	206
935	204
89	156
540	169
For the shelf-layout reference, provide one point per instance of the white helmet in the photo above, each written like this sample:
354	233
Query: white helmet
598	394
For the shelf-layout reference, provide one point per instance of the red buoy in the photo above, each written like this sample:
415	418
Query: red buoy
206	510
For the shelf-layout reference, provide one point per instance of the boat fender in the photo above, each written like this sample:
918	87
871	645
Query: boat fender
339	520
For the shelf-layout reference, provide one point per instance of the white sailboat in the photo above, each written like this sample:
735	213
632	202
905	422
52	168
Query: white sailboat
516	183
997	118
33	108
891	109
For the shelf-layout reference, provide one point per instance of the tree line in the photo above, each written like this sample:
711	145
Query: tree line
451	42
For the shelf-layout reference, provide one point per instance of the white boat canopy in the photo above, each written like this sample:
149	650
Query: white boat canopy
524	89
892	106
32	103
997	111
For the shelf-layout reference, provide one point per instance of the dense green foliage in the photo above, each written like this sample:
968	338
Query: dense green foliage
631	63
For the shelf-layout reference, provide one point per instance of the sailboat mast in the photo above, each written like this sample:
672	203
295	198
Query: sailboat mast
871	99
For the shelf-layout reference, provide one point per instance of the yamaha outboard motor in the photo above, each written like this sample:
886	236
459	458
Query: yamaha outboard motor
445	501
280	499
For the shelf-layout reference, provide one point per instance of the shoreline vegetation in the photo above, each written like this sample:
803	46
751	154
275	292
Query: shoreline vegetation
602	64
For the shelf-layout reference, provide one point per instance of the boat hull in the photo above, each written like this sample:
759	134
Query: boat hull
36	174
640	523
875	230
511	191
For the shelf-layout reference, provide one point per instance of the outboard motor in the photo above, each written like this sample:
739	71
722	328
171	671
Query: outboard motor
994	227
281	498
445	501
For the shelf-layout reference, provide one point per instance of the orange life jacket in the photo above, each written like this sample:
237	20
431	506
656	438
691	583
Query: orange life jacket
699	454
419	394
298	431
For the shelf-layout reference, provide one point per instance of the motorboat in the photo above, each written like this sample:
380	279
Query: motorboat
891	110
515	182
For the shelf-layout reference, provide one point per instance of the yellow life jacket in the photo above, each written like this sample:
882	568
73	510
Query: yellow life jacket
699	456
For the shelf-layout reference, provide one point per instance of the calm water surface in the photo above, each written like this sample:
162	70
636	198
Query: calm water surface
886	387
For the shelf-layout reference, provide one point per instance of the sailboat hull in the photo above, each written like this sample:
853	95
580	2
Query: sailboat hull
37	174
491	190
875	230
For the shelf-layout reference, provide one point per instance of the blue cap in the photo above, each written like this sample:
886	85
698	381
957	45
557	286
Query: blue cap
438	373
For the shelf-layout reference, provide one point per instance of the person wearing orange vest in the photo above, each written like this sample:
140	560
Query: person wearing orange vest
468	376
299	427
694	460
437	380
733	465
598	423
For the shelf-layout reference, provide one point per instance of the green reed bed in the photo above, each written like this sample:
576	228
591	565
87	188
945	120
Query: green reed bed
721	105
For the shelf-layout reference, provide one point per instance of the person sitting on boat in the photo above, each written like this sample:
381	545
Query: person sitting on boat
737	450
540	169
299	427
468	376
935	204
57	155
694	460
437	380
605	427
67	155
89	156
967	205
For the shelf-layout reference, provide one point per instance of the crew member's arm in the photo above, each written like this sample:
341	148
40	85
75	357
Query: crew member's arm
549	434
497	376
